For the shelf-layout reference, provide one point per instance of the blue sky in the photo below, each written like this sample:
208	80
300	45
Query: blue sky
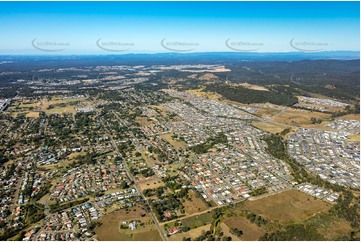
139	27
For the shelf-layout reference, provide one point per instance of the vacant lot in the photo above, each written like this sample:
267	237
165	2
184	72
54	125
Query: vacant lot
290	205
162	110
250	230
207	77
193	233
253	87
201	92
60	105
194	205
354	138
32	115
110	228
336	229
150	184
299	117
198	220
270	127
266	112
175	143
58	110
143	121
351	117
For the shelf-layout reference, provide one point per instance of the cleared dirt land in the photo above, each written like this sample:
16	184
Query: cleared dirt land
250	231
287	206
110	228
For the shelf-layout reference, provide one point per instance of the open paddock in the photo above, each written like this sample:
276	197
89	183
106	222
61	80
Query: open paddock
250	230
287	206
194	205
110	229
299	117
193	233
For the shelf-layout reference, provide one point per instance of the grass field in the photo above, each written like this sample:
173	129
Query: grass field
253	87
193	233
198	220
351	117
150	184
208	77
270	127
174	167
354	138
299	117
335	229
162	110
175	143
266	112
60	105
32	115
226	231
110	228
68	107
201	92
76	154
143	121
250	230
44	199
319	106
287	206
194	205
150	161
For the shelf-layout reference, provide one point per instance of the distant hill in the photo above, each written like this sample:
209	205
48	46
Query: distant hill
9	63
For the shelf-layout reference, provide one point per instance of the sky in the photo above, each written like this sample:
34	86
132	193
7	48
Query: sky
154	27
